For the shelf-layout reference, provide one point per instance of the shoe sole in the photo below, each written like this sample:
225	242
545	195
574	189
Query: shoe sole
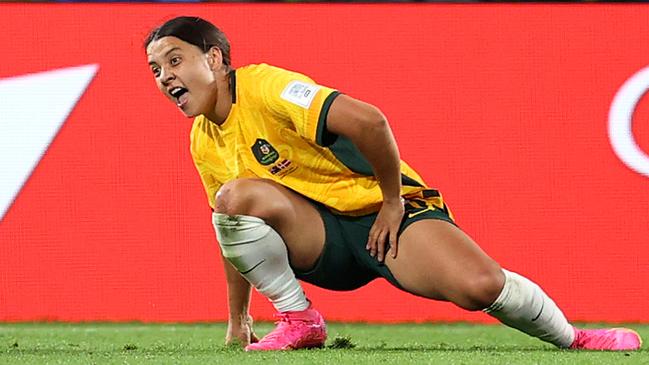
307	346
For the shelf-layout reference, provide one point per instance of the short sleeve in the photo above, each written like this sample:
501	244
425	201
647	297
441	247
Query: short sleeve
296	97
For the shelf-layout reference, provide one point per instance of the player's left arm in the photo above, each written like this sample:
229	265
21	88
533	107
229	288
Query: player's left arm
367	127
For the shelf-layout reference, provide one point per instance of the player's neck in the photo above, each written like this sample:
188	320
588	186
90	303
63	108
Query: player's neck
224	101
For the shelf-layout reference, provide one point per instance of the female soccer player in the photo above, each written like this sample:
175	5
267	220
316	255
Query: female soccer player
307	183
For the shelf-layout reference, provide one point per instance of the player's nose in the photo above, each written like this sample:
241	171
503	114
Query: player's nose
166	76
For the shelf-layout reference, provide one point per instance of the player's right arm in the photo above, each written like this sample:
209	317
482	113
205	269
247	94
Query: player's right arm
238	289
239	321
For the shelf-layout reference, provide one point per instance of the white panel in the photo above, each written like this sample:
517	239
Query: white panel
32	110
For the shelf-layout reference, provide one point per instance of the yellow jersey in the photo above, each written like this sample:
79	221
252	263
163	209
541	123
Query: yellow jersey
276	130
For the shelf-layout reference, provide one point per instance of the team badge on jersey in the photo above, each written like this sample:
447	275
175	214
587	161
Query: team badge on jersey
264	152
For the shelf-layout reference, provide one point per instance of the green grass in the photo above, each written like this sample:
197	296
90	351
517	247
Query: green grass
134	343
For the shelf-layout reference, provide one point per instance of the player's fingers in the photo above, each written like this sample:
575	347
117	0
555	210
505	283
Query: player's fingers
236	340
374	241
381	245
394	244
374	250
253	336
371	241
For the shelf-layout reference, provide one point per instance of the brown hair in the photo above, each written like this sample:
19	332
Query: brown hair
196	31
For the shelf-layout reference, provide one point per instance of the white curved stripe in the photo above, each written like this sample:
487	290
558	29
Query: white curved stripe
620	122
32	110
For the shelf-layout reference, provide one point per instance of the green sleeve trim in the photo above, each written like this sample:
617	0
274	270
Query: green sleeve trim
322	136
347	153
343	148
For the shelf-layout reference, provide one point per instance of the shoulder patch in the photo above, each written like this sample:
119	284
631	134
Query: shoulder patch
300	93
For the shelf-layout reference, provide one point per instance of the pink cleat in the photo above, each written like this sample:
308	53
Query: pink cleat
611	339
295	330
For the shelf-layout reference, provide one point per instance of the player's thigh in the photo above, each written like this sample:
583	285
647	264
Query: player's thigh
338	267
289	213
437	260
302	228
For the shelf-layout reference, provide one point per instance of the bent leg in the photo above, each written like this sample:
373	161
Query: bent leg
259	253
258	250
437	260
297	221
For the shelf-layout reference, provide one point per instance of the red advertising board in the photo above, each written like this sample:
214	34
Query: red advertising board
530	119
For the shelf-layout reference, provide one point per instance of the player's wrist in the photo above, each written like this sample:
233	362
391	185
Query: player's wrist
239	318
398	200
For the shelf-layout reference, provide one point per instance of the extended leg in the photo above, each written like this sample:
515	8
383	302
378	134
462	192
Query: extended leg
437	260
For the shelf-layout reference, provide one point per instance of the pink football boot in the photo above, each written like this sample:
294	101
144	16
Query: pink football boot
610	339
295	330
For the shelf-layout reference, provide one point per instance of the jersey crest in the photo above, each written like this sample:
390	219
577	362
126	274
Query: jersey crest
264	152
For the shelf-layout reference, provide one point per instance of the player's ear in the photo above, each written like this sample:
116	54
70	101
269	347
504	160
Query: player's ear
214	58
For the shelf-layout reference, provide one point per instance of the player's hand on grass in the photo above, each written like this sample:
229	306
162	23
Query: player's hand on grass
240	332
385	229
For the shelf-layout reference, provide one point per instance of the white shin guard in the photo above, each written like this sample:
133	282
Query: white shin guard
523	305
258	252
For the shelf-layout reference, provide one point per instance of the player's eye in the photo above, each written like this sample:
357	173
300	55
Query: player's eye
174	60
156	71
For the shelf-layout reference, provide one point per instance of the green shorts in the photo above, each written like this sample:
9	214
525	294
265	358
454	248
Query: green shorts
345	264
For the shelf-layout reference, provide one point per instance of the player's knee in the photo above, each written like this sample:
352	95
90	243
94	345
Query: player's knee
252	197
481	290
236	197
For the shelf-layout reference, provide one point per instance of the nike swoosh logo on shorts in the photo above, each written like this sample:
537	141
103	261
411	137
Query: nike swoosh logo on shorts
410	215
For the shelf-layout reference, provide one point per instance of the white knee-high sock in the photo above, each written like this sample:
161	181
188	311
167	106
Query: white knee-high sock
523	305
258	252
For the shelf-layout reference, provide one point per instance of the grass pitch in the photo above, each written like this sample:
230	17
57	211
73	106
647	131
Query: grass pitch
134	343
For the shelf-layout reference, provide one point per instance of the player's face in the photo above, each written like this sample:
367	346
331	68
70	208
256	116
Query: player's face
183	74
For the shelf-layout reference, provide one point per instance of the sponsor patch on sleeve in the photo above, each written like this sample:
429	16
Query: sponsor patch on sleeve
300	93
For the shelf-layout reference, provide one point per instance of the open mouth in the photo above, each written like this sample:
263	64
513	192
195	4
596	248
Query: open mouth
180	94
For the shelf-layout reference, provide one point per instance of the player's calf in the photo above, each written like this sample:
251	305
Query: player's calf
523	305
259	253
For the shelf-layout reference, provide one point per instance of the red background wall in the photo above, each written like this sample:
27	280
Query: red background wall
504	108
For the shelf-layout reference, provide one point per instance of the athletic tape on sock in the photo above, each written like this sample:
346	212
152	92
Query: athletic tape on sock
523	305
259	253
